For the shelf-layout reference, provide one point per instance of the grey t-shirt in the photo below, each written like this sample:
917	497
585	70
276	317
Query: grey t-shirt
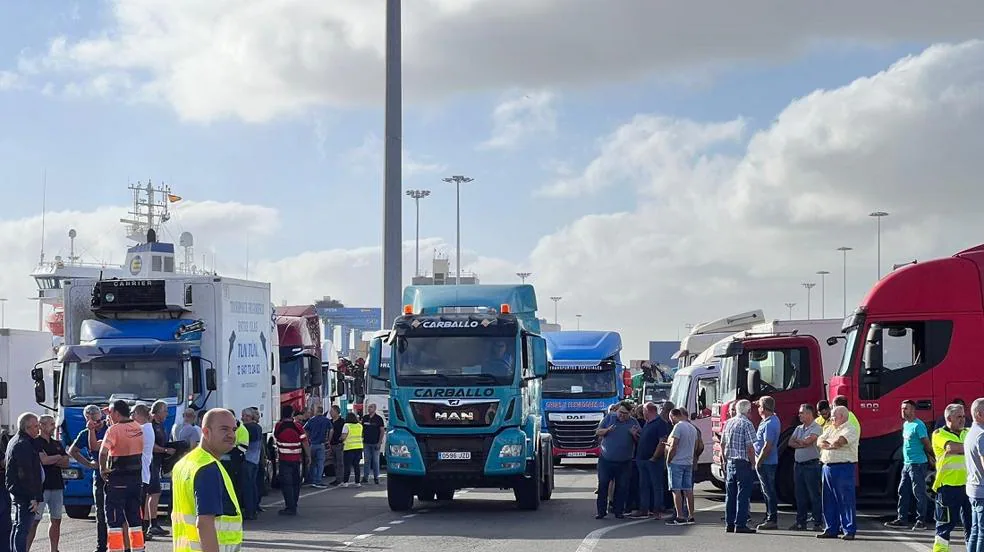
807	453
685	434
973	451
618	445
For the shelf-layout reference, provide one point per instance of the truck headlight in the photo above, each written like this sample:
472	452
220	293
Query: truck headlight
400	451
511	451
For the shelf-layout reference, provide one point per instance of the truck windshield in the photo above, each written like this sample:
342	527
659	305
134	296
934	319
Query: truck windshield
95	382
581	384
679	391
291	373
455	361
848	355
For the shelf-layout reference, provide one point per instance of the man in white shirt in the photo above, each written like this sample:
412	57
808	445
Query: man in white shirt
839	455
141	415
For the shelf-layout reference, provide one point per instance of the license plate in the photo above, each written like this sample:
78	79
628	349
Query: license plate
165	485
580	454
454	456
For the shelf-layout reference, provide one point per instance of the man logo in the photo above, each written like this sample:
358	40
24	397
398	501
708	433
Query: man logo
454	402
455	416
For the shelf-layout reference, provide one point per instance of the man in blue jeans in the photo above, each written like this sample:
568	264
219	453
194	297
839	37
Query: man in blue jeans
651	460
916	452
317	429
618	434
738	452
767	460
806	469
373	431
974	460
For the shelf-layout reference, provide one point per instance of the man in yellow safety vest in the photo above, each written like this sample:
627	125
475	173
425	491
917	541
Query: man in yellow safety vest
951	478
206	514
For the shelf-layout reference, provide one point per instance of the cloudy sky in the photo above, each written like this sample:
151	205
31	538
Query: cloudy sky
653	163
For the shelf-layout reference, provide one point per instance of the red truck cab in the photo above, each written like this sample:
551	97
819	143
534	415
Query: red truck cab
918	335
301	373
786	367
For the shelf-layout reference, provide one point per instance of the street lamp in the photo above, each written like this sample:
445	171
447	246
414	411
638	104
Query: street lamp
556	299
790	307
417	195
578	316
823	292
878	216
844	249
809	288
3	312
458	180
523	275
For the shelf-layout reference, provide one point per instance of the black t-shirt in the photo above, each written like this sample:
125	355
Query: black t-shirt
160	439
336	426
372	428
52	474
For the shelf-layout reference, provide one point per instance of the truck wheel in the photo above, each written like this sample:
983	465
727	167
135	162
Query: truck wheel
76	511
527	491
557	460
547	484
399	494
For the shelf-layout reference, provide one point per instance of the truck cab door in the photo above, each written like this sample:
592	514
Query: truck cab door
706	395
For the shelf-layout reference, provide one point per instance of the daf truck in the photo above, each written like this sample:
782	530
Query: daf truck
465	373
787	360
585	374
197	341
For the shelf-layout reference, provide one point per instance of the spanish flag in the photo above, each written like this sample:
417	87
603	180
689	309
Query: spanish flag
173	198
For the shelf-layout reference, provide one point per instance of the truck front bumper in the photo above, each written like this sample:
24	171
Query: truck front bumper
576	453
459	457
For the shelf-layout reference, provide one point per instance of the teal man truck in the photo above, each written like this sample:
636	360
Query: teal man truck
464	372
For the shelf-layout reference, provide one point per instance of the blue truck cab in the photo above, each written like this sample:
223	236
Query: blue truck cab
586	377
465	369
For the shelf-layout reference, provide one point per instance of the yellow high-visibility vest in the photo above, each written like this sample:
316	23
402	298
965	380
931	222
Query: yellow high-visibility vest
242	438
183	518
951	471
354	439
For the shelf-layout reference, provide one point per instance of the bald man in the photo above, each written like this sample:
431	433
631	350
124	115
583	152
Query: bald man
203	490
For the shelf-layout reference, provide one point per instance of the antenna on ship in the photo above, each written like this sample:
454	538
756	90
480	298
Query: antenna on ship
44	201
150	213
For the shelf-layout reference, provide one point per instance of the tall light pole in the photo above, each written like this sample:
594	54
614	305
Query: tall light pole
823	292
790	307
417	195
458	180
393	169
523	275
878	216
844	249
556	299
3	312
578	316
809	288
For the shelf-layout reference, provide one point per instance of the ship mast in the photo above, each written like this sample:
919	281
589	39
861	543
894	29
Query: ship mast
149	212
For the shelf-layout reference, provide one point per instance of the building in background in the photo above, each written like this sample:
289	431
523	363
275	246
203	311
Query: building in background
548	326
441	274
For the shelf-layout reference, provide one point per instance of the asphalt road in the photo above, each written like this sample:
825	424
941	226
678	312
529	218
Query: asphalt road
482	520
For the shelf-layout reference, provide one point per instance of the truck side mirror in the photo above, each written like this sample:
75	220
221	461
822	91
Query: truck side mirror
210	379
39	395
3	390
874	361
374	364
317	376
753	381
538	348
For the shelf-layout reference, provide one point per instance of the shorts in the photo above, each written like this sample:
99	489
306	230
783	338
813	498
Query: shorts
154	487
54	503
681	477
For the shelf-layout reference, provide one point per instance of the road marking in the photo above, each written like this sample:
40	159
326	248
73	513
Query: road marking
591	541
317	492
408	516
381	529
363	536
396	522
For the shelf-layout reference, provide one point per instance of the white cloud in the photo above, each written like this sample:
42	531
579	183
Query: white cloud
520	116
257	60
368	157
9	80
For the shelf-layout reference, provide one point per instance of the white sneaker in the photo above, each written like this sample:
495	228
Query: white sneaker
358	484
346	484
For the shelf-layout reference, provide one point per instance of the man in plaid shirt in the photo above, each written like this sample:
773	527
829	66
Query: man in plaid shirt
738	450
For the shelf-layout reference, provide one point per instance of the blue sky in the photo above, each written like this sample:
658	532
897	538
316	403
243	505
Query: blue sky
320	168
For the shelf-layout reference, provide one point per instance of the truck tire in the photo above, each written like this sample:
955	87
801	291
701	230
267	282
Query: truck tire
76	511
399	494
547	484
527	490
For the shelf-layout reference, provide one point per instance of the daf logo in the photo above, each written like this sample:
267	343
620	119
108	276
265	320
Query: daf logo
575	416
455	416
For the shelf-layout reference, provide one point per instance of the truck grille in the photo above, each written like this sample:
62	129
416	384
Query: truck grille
478	447
467	413
574	435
